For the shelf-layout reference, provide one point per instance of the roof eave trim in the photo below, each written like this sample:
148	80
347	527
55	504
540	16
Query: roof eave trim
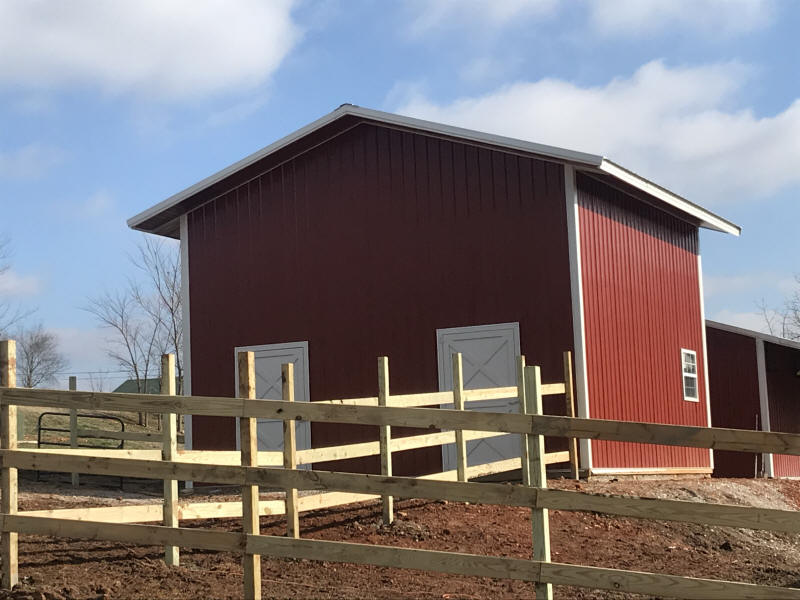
707	219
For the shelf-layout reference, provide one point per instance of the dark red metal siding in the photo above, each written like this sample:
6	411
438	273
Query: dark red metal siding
783	387
733	387
641	306
364	246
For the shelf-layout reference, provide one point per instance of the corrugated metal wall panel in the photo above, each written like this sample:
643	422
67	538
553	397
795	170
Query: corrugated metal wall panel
364	246
783	387
641	306
733	386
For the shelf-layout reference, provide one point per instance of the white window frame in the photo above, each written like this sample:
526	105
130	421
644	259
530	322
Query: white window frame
684	375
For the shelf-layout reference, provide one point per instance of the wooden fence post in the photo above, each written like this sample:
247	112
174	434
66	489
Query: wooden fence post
169	451
458	404
569	394
8	479
540	518
248	433
385	437
290	453
525	462
73	427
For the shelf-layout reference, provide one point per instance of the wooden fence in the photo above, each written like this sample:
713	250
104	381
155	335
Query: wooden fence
253	472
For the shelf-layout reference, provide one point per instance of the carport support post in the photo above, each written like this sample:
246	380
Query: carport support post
385	436
458	404
540	518
8	479
73	427
290	452
169	451
569	387
248	434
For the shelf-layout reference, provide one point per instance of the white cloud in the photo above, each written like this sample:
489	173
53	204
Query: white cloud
12	284
487	68
620	18
716	285
487	14
96	205
673	125
636	18
29	162
167	50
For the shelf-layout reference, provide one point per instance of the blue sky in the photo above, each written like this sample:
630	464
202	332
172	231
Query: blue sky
108	108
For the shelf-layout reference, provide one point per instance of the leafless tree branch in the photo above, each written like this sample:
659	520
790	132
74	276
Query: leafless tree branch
38	358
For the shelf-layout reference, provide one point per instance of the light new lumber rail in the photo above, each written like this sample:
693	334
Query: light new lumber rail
429	487
433	398
387	556
649	433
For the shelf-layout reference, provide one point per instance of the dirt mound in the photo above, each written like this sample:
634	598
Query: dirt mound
72	569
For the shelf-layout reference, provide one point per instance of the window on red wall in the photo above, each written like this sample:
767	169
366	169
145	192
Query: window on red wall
689	368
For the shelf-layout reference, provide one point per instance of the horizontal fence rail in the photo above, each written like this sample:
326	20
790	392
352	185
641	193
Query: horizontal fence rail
252	470
722	515
740	440
388	556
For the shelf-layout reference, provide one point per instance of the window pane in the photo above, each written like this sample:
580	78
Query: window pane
689	362
689	386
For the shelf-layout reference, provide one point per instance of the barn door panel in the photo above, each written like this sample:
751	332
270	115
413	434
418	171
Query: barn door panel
268	361
489	354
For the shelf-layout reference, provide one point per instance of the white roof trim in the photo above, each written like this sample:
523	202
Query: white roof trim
758	335
708	219
591	161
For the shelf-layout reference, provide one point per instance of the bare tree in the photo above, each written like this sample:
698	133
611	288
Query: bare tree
38	358
134	343
783	321
146	316
160	295
10	314
96	380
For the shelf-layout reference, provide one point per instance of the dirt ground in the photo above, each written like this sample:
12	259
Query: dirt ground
58	569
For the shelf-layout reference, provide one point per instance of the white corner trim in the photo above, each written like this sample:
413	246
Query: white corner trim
187	337
763	398
706	218
705	349
576	292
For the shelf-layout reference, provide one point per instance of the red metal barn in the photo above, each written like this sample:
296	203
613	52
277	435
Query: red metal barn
367	233
754	380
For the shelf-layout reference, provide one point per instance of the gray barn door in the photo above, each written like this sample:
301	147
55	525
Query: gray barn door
489	354
268	359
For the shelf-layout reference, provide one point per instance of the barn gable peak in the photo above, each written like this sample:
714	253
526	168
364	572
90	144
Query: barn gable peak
162	218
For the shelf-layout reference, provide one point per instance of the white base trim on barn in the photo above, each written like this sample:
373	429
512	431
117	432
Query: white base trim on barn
650	471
